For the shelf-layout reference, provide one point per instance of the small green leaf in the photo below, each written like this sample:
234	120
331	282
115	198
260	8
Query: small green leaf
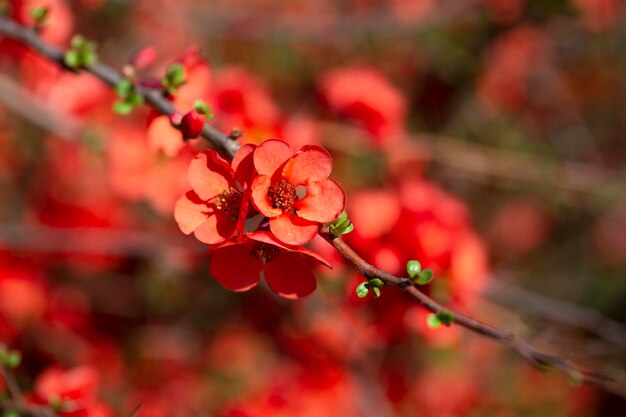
376	282
39	15
424	277
124	87
345	227
72	59
341	225
445	317
413	268
362	290
432	321
77	42
203	108
123	107
376	292
13	359
342	217
135	99
174	77
88	58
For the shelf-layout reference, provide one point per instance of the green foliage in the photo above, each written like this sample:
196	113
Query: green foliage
416	274
130	98
341	226
175	76
445	318
364	288
39	14
203	108
424	277
81	54
9	359
432	321
413	268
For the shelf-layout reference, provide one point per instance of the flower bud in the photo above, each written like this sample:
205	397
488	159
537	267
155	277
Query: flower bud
191	124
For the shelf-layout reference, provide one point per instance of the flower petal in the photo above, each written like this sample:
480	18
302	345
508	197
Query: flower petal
215	229
190	212
209	175
267	237
260	199
270	155
293	230
311	162
234	268
243	164
324	201
290	276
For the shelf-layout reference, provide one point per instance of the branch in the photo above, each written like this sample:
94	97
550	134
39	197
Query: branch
31	38
508	339
228	146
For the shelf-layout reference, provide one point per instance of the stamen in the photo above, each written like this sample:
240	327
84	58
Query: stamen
264	252
283	195
229	203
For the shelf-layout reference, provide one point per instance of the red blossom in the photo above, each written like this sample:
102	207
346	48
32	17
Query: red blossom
287	269
283	177
365	97
216	207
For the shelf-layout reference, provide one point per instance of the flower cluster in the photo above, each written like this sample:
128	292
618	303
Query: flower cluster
256	212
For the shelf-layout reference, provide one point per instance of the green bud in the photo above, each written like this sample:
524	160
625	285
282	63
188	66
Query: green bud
445	317
122	107
203	108
39	15
362	290
124	87
376	292
174	77
13	359
71	59
432	321
424	277
341	225
376	282
81	54
413	268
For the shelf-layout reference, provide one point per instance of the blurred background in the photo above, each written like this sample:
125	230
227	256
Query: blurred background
486	138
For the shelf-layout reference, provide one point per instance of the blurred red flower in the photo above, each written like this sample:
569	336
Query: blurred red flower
364	96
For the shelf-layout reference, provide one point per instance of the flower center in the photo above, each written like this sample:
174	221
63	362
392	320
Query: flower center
264	252
283	195
229	203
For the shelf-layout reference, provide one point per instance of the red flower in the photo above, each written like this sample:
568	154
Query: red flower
216	207
283	178
287	269
366	97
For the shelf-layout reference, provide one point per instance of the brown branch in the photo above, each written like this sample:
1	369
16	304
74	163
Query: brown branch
228	146
112	77
508	339
13	387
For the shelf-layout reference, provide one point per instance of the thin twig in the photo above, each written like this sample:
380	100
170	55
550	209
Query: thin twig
14	388
508	339
112	77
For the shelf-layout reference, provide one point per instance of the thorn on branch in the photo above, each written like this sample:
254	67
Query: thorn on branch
235	134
